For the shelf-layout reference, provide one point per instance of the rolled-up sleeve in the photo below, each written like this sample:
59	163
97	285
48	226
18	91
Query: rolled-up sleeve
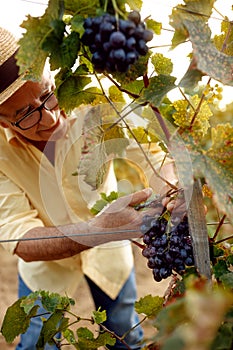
16	214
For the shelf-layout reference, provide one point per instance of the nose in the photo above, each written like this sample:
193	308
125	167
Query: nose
49	118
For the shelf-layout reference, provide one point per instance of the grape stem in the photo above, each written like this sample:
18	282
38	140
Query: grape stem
141	246
219	227
223	240
133	135
116	9
161	122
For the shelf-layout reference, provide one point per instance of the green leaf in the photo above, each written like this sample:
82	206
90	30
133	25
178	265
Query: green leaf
77	23
98	206
54	301
149	305
158	87
191	78
101	203
31	57
99	316
136	70
86	340
65	53
227	280
29	302
68	334
71	90
162	64
81	6
223	339
16	321
171	316
174	342
54	37
220	268
49	329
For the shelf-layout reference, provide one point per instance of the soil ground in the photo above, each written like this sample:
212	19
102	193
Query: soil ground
8	290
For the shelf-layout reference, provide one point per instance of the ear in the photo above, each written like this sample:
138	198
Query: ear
3	124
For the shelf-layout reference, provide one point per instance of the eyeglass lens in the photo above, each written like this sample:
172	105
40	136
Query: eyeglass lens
34	117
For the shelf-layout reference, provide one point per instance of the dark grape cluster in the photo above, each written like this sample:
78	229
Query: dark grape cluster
115	44
168	246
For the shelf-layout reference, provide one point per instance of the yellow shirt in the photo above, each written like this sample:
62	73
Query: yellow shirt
35	193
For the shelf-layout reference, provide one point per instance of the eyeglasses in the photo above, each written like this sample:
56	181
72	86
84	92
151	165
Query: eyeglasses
33	117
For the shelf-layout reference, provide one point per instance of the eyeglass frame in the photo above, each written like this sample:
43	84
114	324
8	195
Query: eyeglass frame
39	109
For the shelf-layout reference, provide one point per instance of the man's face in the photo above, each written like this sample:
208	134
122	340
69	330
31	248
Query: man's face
52	122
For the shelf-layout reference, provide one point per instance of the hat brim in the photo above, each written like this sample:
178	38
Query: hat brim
11	89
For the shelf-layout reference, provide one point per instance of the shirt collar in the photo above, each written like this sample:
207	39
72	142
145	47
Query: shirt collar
14	138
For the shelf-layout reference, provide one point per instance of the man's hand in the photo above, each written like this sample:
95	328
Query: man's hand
121	214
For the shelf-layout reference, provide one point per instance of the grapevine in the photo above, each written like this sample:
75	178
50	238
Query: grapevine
110	41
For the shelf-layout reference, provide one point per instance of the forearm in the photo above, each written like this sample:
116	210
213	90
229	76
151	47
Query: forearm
119	216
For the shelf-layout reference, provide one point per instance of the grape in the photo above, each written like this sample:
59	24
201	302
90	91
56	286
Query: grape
117	39
131	43
167	246
122	41
135	17
147	35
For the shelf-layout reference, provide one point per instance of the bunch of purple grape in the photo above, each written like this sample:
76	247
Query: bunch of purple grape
115	44
168	246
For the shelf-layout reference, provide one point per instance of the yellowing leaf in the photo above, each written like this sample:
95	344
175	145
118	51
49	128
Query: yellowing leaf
162	64
185	112
154	25
227	33
222	144
115	94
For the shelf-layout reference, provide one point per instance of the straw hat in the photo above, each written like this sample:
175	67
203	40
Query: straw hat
10	81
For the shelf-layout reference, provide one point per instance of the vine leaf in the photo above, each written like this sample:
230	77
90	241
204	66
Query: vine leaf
190	20
31	57
50	328
192	76
71	6
96	148
16	321
158	87
149	305
193	320
190	10
215	165
184	112
71	88
86	339
219	40
162	64
209	59
99	316
62	50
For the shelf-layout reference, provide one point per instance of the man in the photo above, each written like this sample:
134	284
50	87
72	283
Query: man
43	205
